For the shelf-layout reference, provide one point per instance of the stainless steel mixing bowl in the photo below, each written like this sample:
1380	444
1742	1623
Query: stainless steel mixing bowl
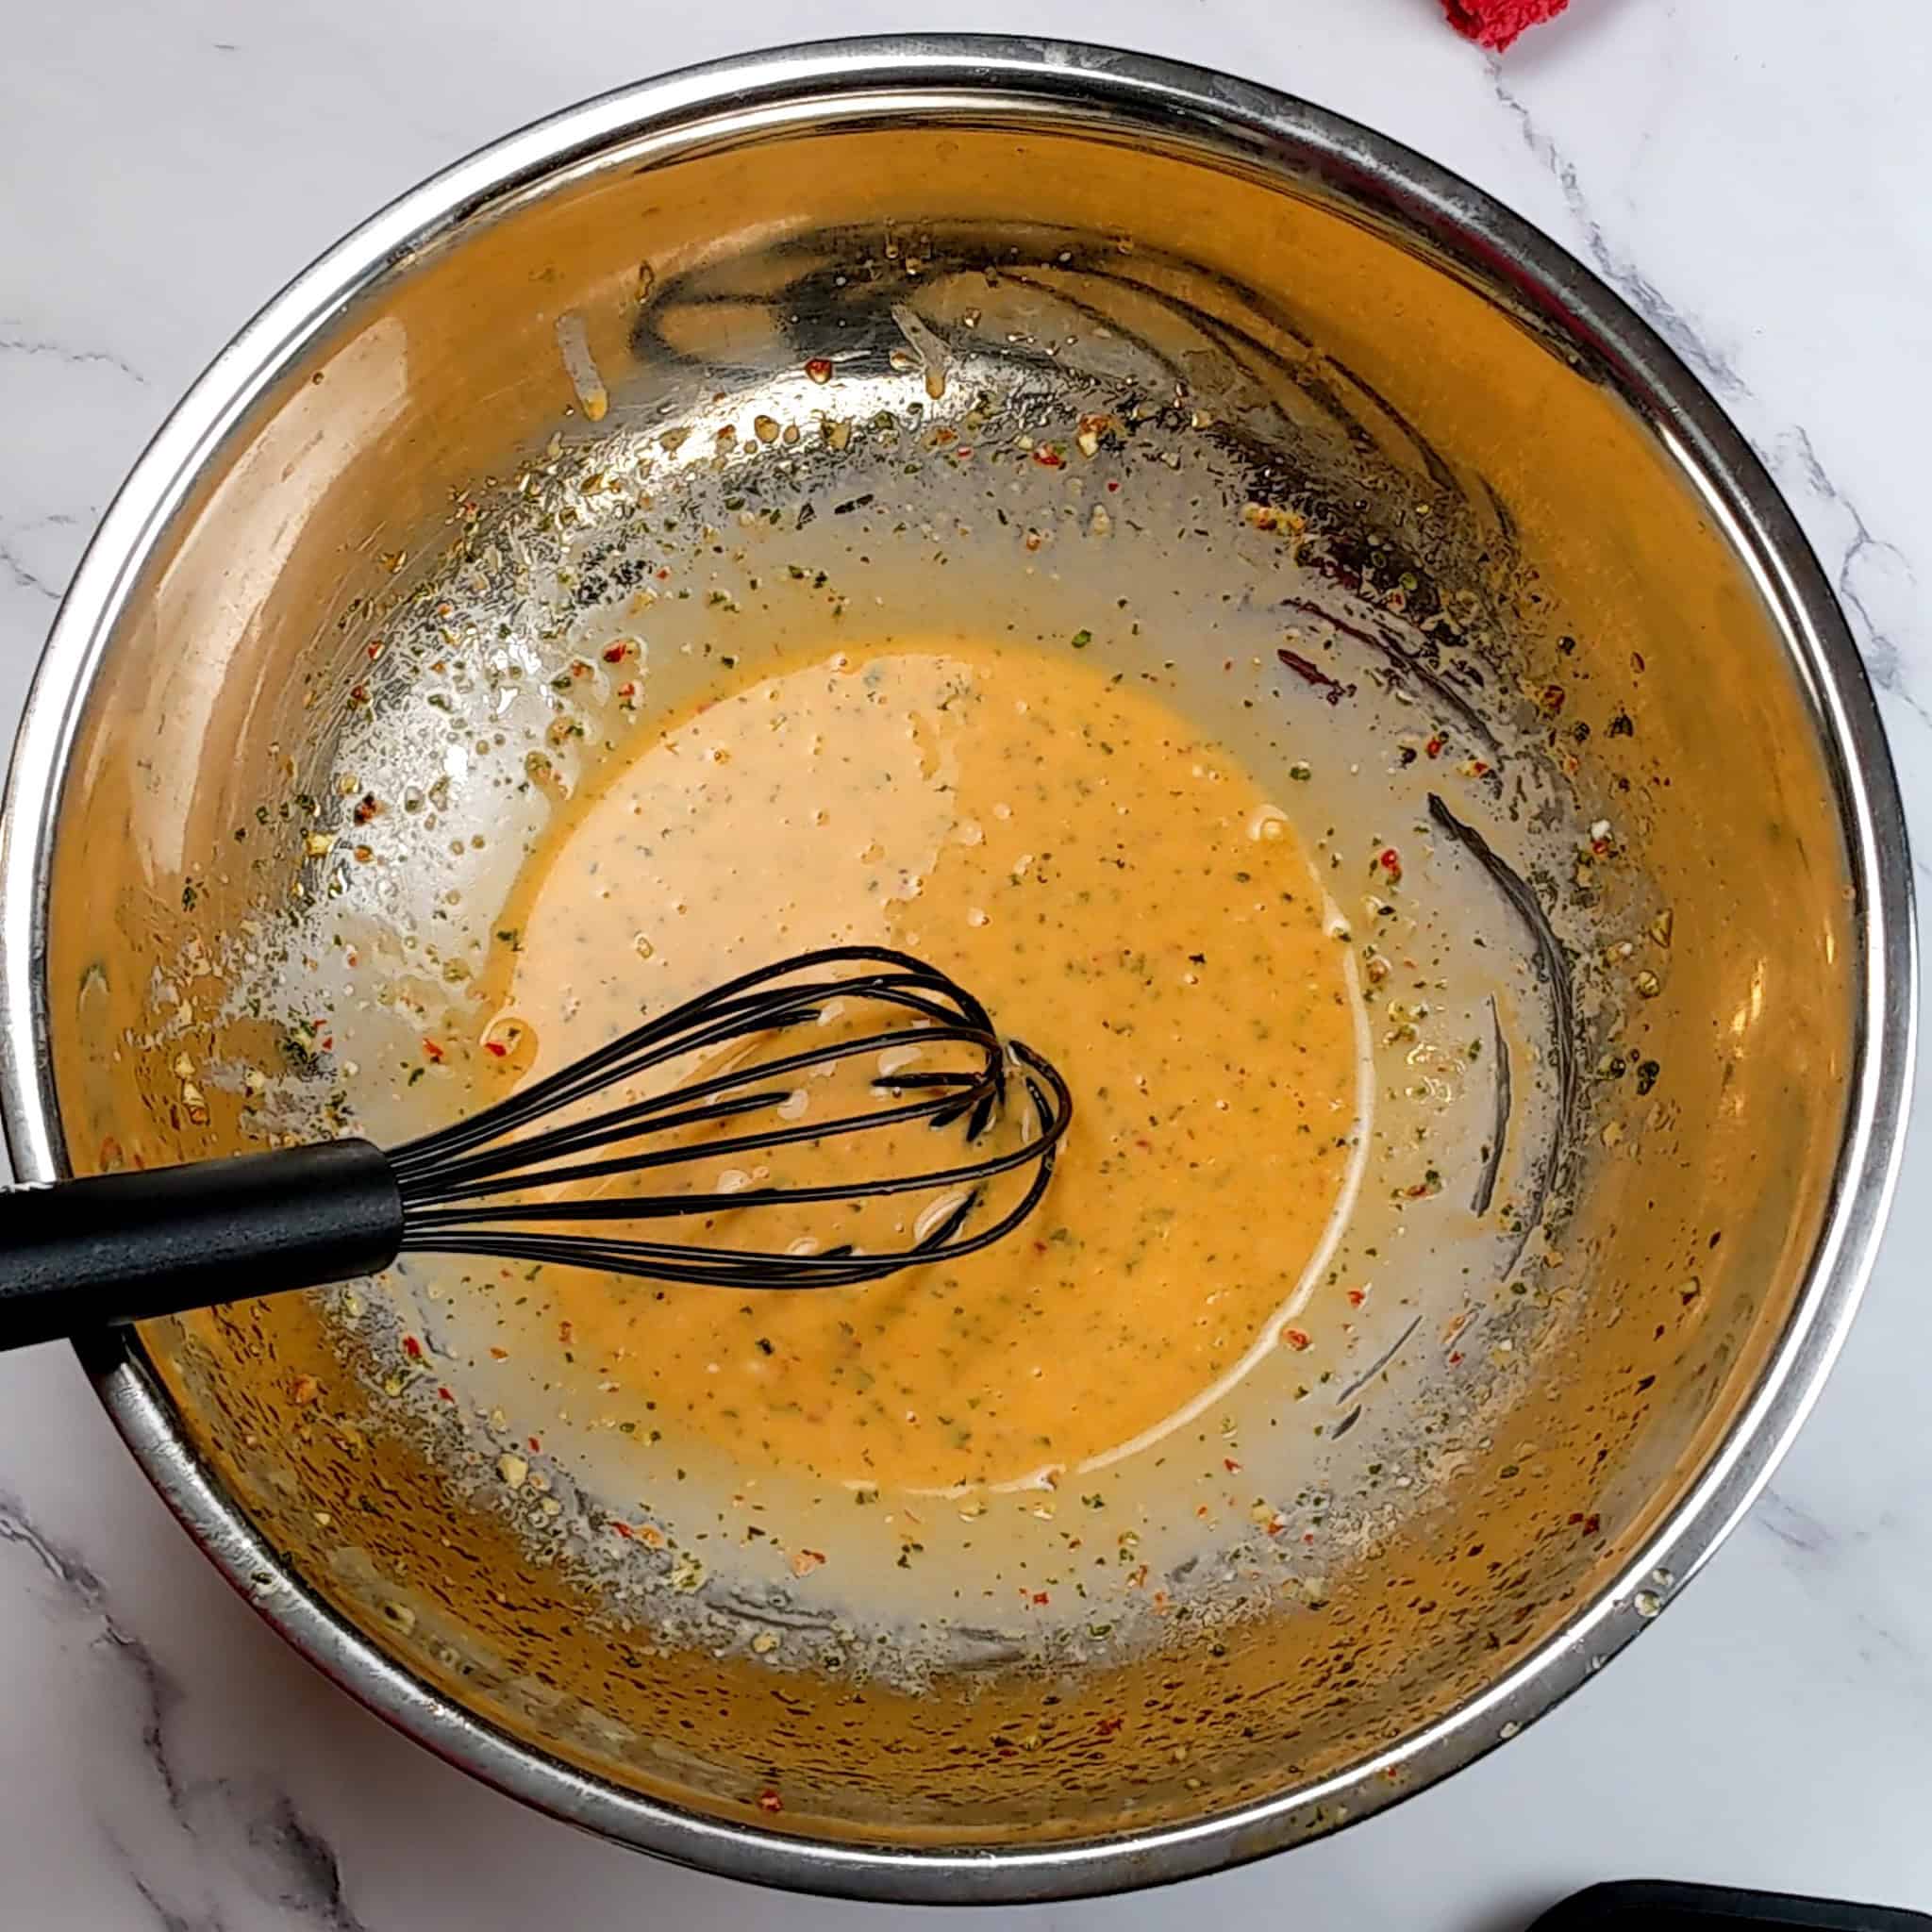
1609	579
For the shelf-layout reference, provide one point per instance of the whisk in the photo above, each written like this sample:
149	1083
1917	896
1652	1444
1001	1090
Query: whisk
520	1181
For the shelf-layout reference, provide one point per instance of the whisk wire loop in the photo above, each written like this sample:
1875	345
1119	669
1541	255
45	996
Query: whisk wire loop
489	1188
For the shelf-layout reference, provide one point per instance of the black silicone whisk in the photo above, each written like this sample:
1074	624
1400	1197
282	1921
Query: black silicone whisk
529	1179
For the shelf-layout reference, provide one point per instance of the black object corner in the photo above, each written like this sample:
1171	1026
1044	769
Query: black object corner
1647	1906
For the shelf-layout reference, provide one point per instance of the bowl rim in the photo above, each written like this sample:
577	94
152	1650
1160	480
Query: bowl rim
1242	121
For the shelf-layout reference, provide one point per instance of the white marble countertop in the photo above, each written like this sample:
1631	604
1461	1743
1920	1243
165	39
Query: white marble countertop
1749	173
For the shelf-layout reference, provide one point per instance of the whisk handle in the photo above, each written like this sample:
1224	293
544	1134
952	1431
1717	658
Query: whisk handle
122	1247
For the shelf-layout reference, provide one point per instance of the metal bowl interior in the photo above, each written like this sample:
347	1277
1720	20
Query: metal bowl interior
1322	321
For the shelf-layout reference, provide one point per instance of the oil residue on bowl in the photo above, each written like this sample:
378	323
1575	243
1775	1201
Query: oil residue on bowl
1314	1101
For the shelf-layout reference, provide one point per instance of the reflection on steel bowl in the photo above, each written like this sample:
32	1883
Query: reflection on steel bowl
984	371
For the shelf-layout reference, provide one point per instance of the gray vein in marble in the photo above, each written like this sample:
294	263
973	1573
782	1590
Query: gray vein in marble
1865	553
1884	656
1871	570
1792	1526
281	1859
17	568
310	1879
77	1581
1819	1554
165	1916
286	1862
162	1694
1622	275
14	341
84	1592
23	577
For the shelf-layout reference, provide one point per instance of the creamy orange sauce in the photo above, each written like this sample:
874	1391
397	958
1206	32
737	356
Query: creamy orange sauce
1123	896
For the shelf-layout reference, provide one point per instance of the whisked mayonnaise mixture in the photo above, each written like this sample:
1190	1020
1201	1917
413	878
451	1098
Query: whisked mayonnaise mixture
1123	896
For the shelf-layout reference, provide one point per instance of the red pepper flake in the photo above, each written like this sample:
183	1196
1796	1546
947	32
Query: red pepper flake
623	1529
499	1355
358	693
820	369
769	1801
1108	1725
432	1051
1455	1358
1041	1596
1232	1467
444	1394
1357	1296
1390	862
412	1348
1550	699
496	1047
1296	1339
663	573
616	654
1436	745
1049	457
565	1332
536	1444
304	1389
